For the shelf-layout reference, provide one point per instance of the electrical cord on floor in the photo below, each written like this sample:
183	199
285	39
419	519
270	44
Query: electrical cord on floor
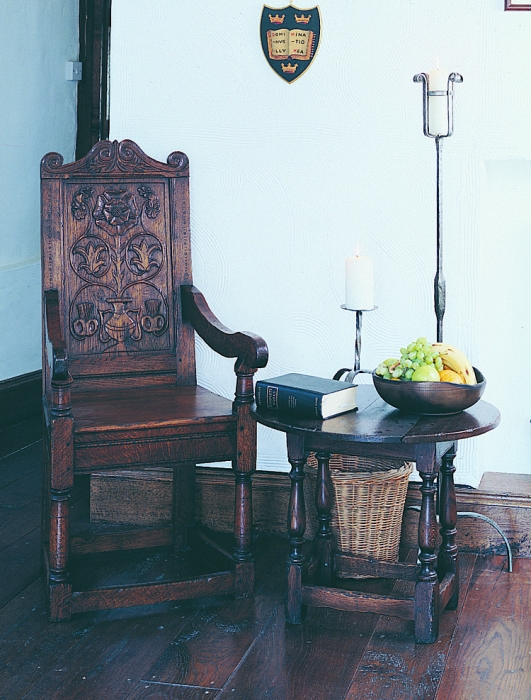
480	516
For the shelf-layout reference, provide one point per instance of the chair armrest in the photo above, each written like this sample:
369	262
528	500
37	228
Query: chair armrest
55	343
246	346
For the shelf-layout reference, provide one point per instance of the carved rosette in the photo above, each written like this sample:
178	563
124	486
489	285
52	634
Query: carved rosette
115	212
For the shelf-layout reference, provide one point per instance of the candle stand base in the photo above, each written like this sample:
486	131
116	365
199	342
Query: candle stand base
345	373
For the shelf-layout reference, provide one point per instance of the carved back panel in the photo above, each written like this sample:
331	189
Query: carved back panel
116	244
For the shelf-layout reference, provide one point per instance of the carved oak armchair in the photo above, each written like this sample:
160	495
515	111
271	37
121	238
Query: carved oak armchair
119	378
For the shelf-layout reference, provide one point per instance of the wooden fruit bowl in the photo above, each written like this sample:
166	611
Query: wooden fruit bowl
430	398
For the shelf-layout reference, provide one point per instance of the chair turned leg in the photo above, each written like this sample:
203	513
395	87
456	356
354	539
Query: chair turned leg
244	466
295	611
448	560
324	498
427	586
243	519
58	486
59	590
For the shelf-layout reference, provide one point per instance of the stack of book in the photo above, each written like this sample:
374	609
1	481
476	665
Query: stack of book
306	396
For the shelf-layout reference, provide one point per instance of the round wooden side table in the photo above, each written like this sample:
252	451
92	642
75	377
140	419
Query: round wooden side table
377	429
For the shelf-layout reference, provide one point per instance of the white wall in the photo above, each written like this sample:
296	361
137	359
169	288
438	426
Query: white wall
286	180
38	115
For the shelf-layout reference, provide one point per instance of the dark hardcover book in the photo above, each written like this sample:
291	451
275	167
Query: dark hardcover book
306	396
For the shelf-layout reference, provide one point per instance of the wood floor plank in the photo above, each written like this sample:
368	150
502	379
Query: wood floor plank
23	462
157	691
21	565
20	508
490	657
112	568
394	667
314	660
18	436
111	657
29	644
213	644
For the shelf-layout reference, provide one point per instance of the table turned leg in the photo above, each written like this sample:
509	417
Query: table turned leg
324	498
427	586
447	561
296	528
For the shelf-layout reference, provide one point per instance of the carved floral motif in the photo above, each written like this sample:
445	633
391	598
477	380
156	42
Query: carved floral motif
118	306
144	255
112	321
153	321
86	324
94	254
79	203
115	212
152	206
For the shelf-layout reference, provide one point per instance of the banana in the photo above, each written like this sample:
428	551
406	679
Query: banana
454	359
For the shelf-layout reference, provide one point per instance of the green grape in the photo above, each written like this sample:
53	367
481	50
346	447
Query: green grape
415	355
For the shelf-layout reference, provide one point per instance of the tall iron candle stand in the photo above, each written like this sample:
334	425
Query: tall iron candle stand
352	373
439	283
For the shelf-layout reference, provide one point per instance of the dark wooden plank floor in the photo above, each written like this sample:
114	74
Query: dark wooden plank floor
218	648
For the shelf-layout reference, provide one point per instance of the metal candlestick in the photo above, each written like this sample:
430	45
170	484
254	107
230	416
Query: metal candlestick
352	373
439	282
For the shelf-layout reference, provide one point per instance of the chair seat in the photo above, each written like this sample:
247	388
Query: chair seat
148	406
151	425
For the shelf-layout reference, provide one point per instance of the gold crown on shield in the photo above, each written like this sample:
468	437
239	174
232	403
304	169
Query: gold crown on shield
302	19
289	68
276	19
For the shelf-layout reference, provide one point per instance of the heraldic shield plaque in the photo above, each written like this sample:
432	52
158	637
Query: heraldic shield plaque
290	38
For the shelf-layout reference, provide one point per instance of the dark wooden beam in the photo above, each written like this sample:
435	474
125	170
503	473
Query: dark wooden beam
93	89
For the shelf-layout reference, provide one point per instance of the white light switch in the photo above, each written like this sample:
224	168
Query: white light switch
74	70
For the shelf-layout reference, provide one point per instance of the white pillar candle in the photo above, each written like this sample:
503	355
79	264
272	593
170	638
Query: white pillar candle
438	104
359	283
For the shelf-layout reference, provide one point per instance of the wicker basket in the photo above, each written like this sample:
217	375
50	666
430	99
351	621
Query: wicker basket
369	498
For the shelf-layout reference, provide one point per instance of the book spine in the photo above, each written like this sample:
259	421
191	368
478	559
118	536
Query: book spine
300	402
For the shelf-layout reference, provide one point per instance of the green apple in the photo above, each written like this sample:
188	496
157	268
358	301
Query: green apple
425	373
